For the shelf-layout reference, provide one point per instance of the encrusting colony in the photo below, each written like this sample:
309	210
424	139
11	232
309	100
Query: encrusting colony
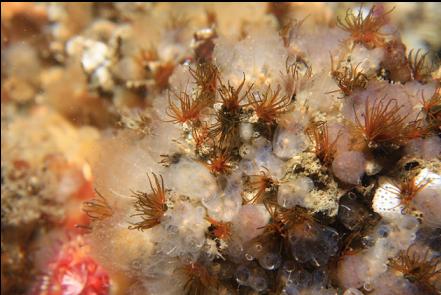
292	157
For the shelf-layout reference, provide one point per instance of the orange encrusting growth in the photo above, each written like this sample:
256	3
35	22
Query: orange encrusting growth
150	207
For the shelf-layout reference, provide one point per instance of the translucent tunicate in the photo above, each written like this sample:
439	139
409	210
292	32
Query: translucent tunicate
294	192
270	261
248	257
292	290
312	242
242	275
258	283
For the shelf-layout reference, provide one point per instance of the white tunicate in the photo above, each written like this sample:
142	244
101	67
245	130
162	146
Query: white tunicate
246	131
191	179
366	60
260	55
260	156
288	143
188	235
242	275
428	200
258	283
349	166
270	261
250	220
294	192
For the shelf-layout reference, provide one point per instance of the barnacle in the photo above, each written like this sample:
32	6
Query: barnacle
295	76
270	181
189	109
200	135
221	230
381	123
199	281
349	78
232	97
432	109
206	77
416	129
269	105
408	189
98	208
228	117
263	184
420	69
220	161
139	122
417	268
324	147
150	207
365	29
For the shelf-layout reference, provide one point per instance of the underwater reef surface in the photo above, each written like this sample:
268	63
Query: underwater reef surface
224	148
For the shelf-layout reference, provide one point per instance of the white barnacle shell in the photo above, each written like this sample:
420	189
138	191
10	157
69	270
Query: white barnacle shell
386	201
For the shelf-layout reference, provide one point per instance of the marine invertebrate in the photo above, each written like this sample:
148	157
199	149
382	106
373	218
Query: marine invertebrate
220	230
150	206
200	135
269	105
263	184
419	67
432	108
249	205
417	268
324	146
296	75
349	78
97	208
74	271
408	189
365	29
199	281
189	109
226	127
220	161
206	76
381	123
